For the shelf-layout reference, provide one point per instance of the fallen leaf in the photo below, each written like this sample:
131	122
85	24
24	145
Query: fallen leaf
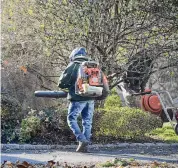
25	164
9	164
21	166
134	163
30	166
65	165
155	164
51	163
24	69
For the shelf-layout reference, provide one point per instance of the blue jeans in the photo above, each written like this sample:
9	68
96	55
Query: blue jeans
86	109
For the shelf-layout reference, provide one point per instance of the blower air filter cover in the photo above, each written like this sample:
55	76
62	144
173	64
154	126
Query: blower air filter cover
151	103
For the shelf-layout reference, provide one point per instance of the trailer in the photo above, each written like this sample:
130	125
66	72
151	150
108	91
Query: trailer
162	104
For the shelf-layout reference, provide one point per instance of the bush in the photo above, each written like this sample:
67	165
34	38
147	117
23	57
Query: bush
112	101
47	126
11	116
126	123
116	122
29	128
55	126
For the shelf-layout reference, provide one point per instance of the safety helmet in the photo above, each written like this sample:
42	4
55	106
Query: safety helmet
77	52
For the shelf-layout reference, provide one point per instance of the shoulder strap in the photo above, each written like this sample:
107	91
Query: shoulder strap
72	72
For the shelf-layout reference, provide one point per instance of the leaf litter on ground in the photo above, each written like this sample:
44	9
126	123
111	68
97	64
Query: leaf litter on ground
115	163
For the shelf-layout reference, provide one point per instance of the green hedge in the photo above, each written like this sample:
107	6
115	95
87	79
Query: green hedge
125	122
113	101
116	121
49	126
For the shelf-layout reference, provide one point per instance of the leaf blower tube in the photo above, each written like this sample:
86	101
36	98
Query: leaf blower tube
51	94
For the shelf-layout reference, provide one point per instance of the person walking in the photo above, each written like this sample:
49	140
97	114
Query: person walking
80	104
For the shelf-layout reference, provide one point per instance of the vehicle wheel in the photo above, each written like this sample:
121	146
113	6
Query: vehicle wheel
176	129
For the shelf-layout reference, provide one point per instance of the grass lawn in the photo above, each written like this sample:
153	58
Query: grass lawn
166	133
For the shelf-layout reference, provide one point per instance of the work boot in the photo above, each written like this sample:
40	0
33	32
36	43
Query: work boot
82	147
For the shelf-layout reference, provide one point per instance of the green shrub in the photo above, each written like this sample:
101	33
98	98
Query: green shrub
54	128
113	92
11	116
46	126
112	101
166	133
126	122
29	128
57	120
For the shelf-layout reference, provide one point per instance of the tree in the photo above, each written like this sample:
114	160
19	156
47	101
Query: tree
24	66
131	39
128	38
